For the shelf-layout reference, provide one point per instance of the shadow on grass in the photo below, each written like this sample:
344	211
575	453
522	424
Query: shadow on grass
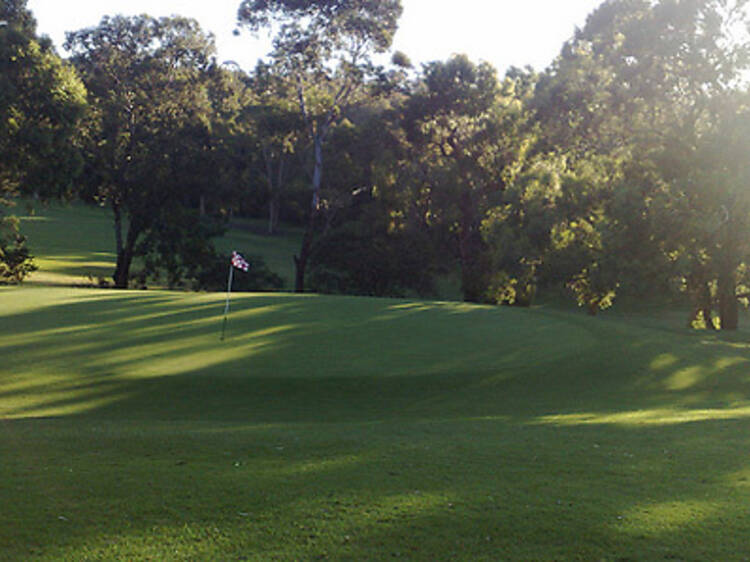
362	429
295	359
349	362
421	491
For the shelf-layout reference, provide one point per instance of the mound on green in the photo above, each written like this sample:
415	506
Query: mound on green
361	429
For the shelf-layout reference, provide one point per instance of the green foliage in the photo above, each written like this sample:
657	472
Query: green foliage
41	104
365	257
17	14
518	290
149	146
594	288
177	248
310	29
465	139
212	275
279	142
518	232
644	85
323	53
15	260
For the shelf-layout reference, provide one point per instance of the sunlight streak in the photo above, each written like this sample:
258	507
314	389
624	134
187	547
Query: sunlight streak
656	416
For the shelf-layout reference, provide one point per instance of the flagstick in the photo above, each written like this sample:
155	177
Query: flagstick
226	307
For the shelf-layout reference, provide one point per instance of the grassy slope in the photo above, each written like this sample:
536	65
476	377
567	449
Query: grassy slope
70	243
363	429
73	242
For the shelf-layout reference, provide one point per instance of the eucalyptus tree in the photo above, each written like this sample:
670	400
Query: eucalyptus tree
279	136
232	142
42	102
324	51
149	123
464	129
16	14
644	83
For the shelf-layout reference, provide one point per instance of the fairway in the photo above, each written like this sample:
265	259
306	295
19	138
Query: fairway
363	429
74	244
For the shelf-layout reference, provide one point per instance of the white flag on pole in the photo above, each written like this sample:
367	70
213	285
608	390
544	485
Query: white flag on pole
240	263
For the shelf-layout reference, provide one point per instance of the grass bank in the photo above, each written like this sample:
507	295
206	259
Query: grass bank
74	244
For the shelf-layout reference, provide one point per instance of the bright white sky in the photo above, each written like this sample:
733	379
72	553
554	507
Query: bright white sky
502	32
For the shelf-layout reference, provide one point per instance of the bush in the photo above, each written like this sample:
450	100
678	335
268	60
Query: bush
15	261
360	259
213	276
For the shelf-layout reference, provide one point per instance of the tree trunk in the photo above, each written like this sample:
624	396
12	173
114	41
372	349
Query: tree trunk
699	288
473	266
274	187
118	228
317	173
300	262
705	305
122	271
125	252
728	305
273	213
470	286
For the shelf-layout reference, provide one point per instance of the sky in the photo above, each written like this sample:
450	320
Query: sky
501	32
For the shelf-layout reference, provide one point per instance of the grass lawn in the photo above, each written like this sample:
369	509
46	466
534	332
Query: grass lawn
363	429
75	244
71	244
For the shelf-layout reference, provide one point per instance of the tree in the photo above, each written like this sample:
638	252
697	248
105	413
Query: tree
709	178
643	82
278	132
368	246
16	14
148	145
465	131
41	104
323	49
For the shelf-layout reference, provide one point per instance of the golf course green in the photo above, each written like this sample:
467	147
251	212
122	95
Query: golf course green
363	429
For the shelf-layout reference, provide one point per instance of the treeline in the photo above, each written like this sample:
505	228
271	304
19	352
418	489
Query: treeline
622	169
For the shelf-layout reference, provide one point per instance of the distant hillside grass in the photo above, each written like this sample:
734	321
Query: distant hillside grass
74	244
363	429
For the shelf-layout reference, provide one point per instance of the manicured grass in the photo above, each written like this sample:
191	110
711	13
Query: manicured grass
71	244
74	244
362	429
248	236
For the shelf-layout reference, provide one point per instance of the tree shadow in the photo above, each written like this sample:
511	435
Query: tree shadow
486	490
362	429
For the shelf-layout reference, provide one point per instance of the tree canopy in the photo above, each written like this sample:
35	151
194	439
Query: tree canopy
41	105
323	49
149	125
618	170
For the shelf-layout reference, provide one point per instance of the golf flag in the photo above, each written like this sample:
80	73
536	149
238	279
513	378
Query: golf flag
239	262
